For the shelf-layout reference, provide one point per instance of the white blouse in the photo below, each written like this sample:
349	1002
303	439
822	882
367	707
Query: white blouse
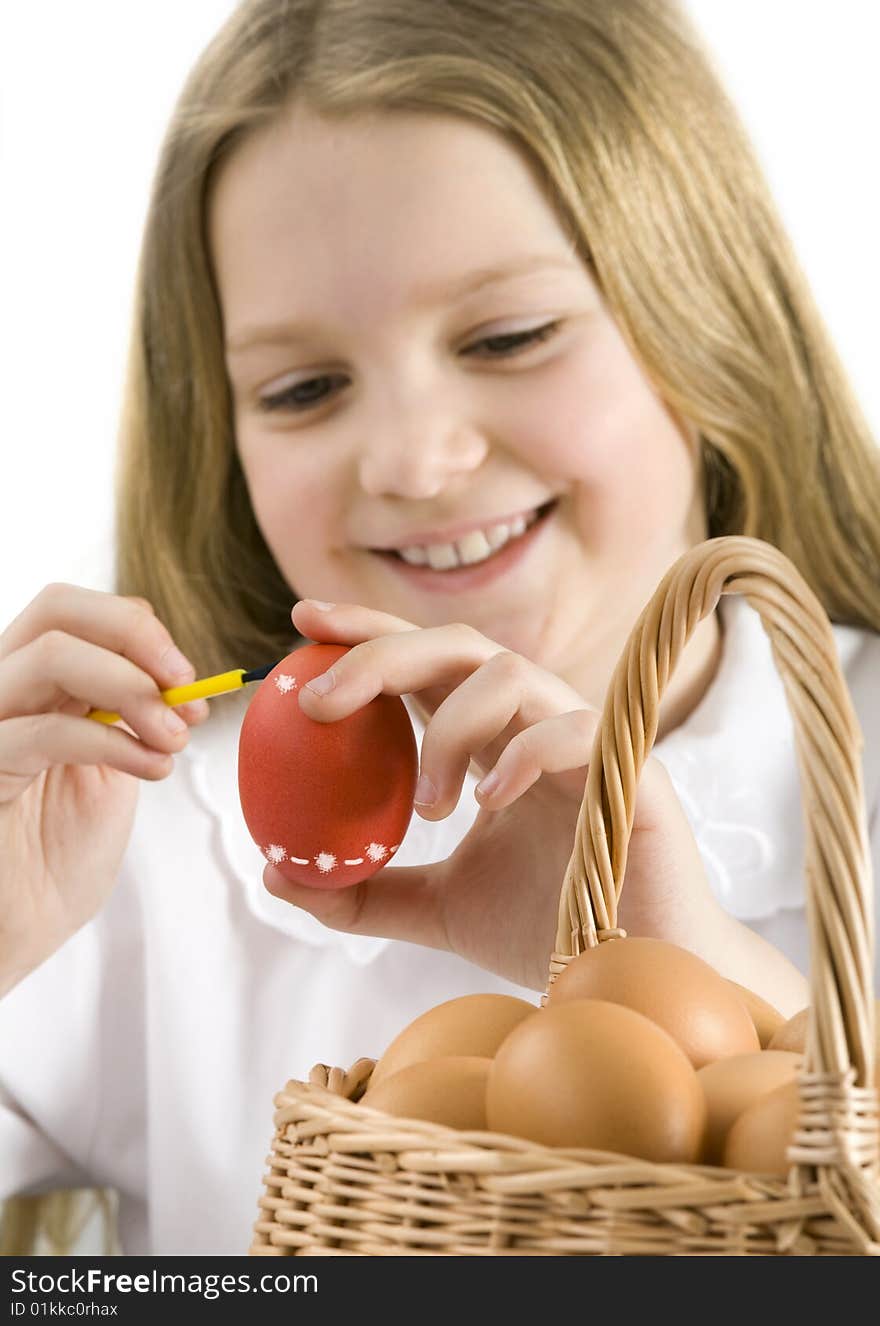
144	1055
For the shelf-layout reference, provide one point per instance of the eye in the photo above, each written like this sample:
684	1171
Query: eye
312	392
509	343
304	395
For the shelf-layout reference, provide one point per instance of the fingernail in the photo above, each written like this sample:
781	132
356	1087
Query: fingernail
198	709
321	685
175	664
174	722
487	785
425	793
321	605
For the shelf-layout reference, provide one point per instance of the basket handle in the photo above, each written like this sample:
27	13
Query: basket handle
840	1034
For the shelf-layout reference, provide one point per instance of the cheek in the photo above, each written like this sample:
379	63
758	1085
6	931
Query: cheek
598	427
289	492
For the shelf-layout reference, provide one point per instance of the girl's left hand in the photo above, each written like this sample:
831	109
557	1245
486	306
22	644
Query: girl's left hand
529	734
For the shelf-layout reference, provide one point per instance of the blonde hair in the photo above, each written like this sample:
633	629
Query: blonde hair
618	107
51	1225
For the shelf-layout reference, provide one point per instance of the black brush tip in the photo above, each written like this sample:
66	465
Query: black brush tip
258	674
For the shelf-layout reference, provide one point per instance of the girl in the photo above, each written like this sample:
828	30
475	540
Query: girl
465	320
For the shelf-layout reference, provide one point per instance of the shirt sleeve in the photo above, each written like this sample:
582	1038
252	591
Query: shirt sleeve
41	1020
72	1061
50	1071
30	1162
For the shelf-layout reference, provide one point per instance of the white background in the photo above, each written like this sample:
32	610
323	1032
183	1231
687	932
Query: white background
85	92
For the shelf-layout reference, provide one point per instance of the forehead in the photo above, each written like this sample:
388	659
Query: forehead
391	202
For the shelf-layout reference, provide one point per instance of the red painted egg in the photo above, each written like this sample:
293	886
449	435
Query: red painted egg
327	803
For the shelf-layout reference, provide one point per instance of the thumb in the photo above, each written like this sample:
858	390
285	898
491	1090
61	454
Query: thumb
398	902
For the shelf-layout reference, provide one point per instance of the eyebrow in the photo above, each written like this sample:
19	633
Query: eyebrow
285	333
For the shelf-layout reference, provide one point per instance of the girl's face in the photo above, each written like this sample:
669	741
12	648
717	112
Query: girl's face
436	414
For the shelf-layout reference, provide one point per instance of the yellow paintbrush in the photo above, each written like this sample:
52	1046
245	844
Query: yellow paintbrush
197	690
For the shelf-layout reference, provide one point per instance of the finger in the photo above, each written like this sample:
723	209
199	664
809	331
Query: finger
194	712
344	623
563	746
125	626
557	745
399	902
506	695
55	668
144	603
36	742
396	664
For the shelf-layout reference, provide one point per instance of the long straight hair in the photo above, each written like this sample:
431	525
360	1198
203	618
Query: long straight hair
617	106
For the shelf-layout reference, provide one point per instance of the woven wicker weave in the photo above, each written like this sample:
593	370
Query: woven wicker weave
347	1180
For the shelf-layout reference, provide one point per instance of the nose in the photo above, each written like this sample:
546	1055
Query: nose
417	448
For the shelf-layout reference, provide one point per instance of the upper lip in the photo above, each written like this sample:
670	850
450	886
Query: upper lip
424	538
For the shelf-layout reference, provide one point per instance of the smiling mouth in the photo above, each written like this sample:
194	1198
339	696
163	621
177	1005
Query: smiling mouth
472	549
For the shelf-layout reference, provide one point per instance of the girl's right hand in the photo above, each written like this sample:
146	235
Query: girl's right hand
68	784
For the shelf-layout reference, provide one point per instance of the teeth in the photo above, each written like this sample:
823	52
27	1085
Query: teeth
472	548
415	556
442	556
497	536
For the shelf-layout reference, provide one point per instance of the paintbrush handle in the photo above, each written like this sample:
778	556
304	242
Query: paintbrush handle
195	690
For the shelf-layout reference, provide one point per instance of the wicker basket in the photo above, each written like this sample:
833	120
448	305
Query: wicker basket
347	1180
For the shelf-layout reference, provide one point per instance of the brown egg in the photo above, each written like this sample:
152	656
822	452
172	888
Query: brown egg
471	1025
451	1091
766	1018
732	1085
758	1139
589	1073
669	985
792	1035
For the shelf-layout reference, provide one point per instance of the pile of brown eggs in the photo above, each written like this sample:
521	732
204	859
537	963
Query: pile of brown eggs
642	1049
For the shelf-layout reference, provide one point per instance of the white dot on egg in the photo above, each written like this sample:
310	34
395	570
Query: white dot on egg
325	861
